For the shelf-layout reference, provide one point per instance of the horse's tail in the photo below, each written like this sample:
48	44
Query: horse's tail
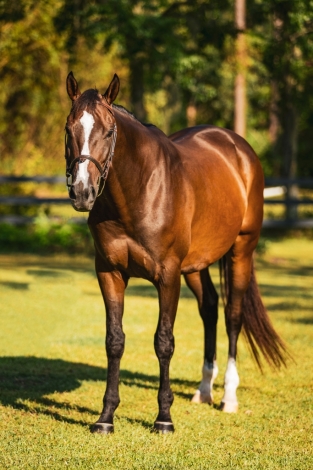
257	326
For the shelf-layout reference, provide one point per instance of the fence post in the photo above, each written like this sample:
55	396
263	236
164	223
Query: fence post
292	193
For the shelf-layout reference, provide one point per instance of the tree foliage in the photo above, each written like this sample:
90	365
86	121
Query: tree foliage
286	28
172	56
31	57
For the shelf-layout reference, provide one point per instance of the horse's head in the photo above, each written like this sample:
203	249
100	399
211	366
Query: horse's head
89	142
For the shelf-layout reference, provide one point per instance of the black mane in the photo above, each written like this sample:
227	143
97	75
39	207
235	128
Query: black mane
125	111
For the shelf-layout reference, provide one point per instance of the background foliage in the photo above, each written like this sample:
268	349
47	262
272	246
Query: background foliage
171	56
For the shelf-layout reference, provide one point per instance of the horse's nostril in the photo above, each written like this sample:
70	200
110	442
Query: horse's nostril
72	192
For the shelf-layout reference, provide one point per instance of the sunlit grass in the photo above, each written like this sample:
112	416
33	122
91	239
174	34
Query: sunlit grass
52	372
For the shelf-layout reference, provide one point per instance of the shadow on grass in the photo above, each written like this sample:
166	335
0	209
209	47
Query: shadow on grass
30	379
287	291
15	285
288	266
47	273
46	265
150	291
303	320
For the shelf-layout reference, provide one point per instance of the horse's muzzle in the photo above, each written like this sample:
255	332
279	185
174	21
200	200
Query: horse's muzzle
82	199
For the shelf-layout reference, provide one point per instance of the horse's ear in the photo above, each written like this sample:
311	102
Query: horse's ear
72	87
113	89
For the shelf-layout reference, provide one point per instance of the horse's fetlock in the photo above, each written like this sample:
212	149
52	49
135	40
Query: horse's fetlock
111	401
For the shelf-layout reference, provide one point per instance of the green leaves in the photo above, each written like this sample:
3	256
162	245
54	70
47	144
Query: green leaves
181	49
31	53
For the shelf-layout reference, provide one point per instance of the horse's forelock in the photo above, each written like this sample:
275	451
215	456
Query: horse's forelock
87	100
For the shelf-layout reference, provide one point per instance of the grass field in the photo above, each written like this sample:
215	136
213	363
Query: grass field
52	373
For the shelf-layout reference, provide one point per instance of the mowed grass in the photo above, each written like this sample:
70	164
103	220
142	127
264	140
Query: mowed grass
53	370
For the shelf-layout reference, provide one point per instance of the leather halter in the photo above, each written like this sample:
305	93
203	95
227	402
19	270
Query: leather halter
81	158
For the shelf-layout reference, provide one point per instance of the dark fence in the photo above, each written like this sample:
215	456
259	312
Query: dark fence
291	219
30	200
283	183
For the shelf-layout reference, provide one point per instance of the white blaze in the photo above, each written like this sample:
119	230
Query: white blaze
87	121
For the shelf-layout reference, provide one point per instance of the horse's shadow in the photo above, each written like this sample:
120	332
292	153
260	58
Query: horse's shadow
27	379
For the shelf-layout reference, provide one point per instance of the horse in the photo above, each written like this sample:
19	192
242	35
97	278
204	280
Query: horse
161	207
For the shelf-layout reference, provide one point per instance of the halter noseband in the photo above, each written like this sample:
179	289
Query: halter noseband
81	158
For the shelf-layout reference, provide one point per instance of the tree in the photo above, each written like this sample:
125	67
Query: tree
240	79
165	43
31	65
287	26
142	31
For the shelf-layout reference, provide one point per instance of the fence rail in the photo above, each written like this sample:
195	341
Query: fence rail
32	179
279	187
32	201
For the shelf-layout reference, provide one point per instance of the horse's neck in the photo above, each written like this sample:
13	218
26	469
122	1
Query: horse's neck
139	154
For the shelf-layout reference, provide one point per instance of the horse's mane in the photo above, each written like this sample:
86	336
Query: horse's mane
90	98
125	111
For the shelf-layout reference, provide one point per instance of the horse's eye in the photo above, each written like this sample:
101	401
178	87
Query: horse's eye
110	132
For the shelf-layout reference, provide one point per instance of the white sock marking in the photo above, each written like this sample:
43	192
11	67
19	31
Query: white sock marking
231	382
204	394
87	121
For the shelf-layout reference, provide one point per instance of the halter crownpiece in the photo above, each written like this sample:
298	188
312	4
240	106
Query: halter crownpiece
81	158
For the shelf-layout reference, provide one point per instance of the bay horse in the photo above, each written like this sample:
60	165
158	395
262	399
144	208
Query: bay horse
164	206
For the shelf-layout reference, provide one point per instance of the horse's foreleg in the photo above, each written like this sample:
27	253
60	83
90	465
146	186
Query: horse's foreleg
202	286
112	287
239	261
168	288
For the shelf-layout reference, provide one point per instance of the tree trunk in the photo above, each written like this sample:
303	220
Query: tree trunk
274	119
284	95
289	153
137	89
240	80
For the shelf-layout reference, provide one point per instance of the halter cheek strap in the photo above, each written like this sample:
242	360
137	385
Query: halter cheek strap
81	158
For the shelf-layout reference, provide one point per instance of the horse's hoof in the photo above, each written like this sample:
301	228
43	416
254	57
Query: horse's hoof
228	407
102	428
163	427
202	398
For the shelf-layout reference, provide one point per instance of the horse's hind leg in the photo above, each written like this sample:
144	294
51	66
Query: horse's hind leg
202	286
238	273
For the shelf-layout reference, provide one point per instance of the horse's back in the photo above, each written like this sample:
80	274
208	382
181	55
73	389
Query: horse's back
220	153
214	143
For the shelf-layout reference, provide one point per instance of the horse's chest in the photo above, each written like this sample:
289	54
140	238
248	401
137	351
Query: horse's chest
119	251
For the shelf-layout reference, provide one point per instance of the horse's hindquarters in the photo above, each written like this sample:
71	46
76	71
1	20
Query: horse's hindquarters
225	192
219	211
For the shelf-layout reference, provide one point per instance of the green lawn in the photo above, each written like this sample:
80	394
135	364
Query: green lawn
52	373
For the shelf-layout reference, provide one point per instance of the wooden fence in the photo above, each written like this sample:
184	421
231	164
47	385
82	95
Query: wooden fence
280	184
